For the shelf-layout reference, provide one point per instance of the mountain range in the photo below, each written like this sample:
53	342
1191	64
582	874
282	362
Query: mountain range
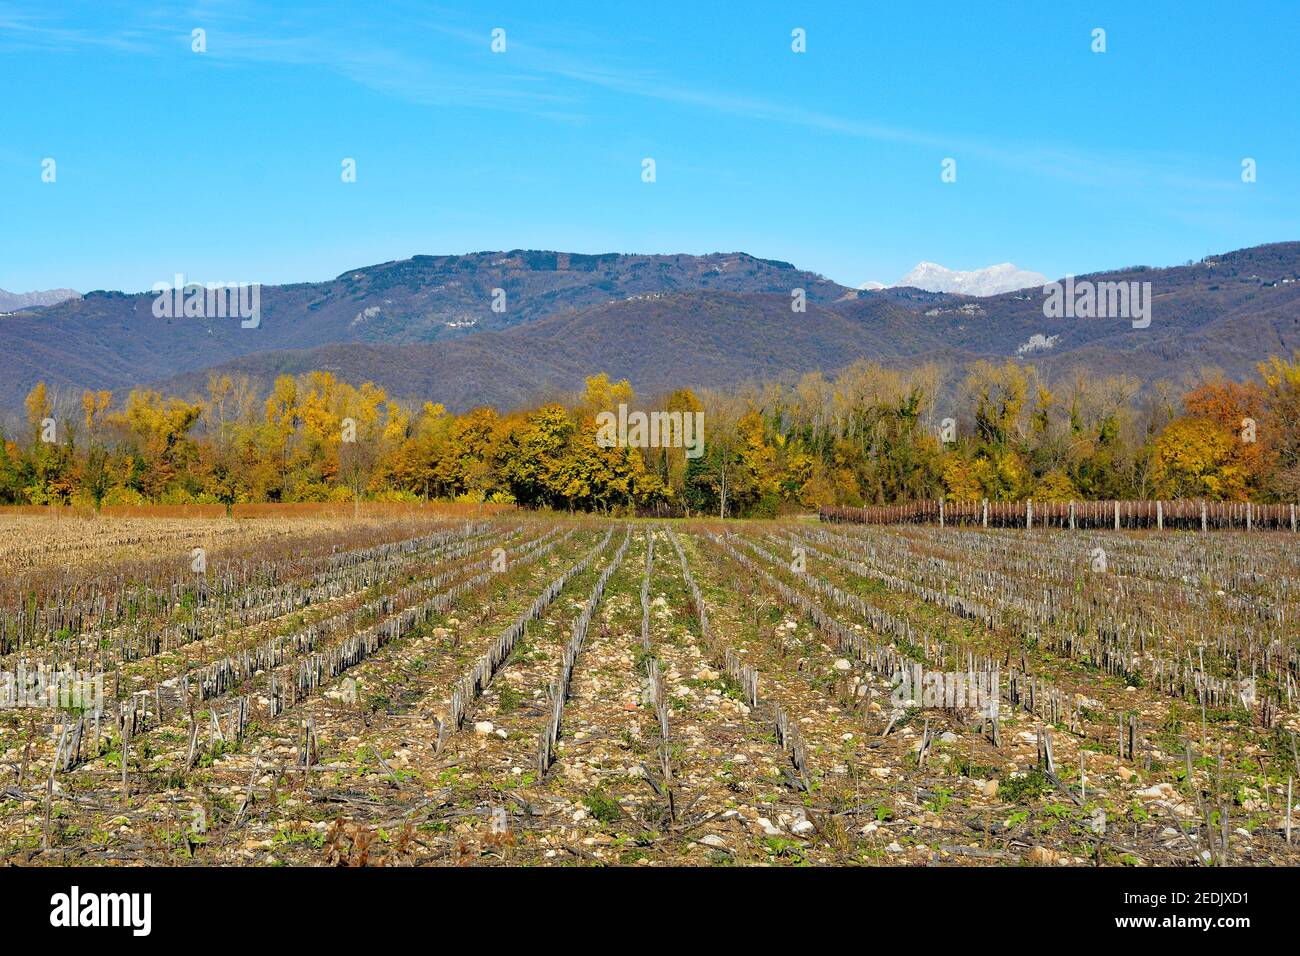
426	328
17	301
932	277
980	282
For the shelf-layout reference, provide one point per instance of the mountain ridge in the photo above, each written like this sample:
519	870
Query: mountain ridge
18	301
664	321
991	280
696	339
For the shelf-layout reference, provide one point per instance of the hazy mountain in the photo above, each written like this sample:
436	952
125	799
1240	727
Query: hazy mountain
16	301
981	282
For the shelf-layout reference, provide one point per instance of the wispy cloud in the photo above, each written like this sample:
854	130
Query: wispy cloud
539	81
26	30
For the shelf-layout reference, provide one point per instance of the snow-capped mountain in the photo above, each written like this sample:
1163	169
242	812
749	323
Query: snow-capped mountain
991	281
872	286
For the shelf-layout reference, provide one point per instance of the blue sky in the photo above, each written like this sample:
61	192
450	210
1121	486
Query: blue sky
225	165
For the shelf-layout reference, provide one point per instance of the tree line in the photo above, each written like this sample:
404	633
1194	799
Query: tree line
866	435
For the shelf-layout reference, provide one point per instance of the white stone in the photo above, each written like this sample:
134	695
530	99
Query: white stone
1160	791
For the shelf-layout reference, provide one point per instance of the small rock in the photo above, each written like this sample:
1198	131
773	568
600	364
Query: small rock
1042	856
483	728
1159	791
802	828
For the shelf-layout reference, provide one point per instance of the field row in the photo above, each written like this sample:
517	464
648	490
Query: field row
531	690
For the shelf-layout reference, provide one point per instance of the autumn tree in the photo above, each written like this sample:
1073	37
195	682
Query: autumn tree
1281	424
1196	458
95	476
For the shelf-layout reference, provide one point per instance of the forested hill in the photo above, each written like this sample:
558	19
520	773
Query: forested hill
425	327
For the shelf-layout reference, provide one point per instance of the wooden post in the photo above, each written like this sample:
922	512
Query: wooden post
1160	515
1204	522
1117	514
1045	749
49	788
1071	515
126	753
1293	517
1248	516
1029	513
986	514
940	512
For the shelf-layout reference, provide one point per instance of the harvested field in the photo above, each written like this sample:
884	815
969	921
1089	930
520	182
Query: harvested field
422	688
